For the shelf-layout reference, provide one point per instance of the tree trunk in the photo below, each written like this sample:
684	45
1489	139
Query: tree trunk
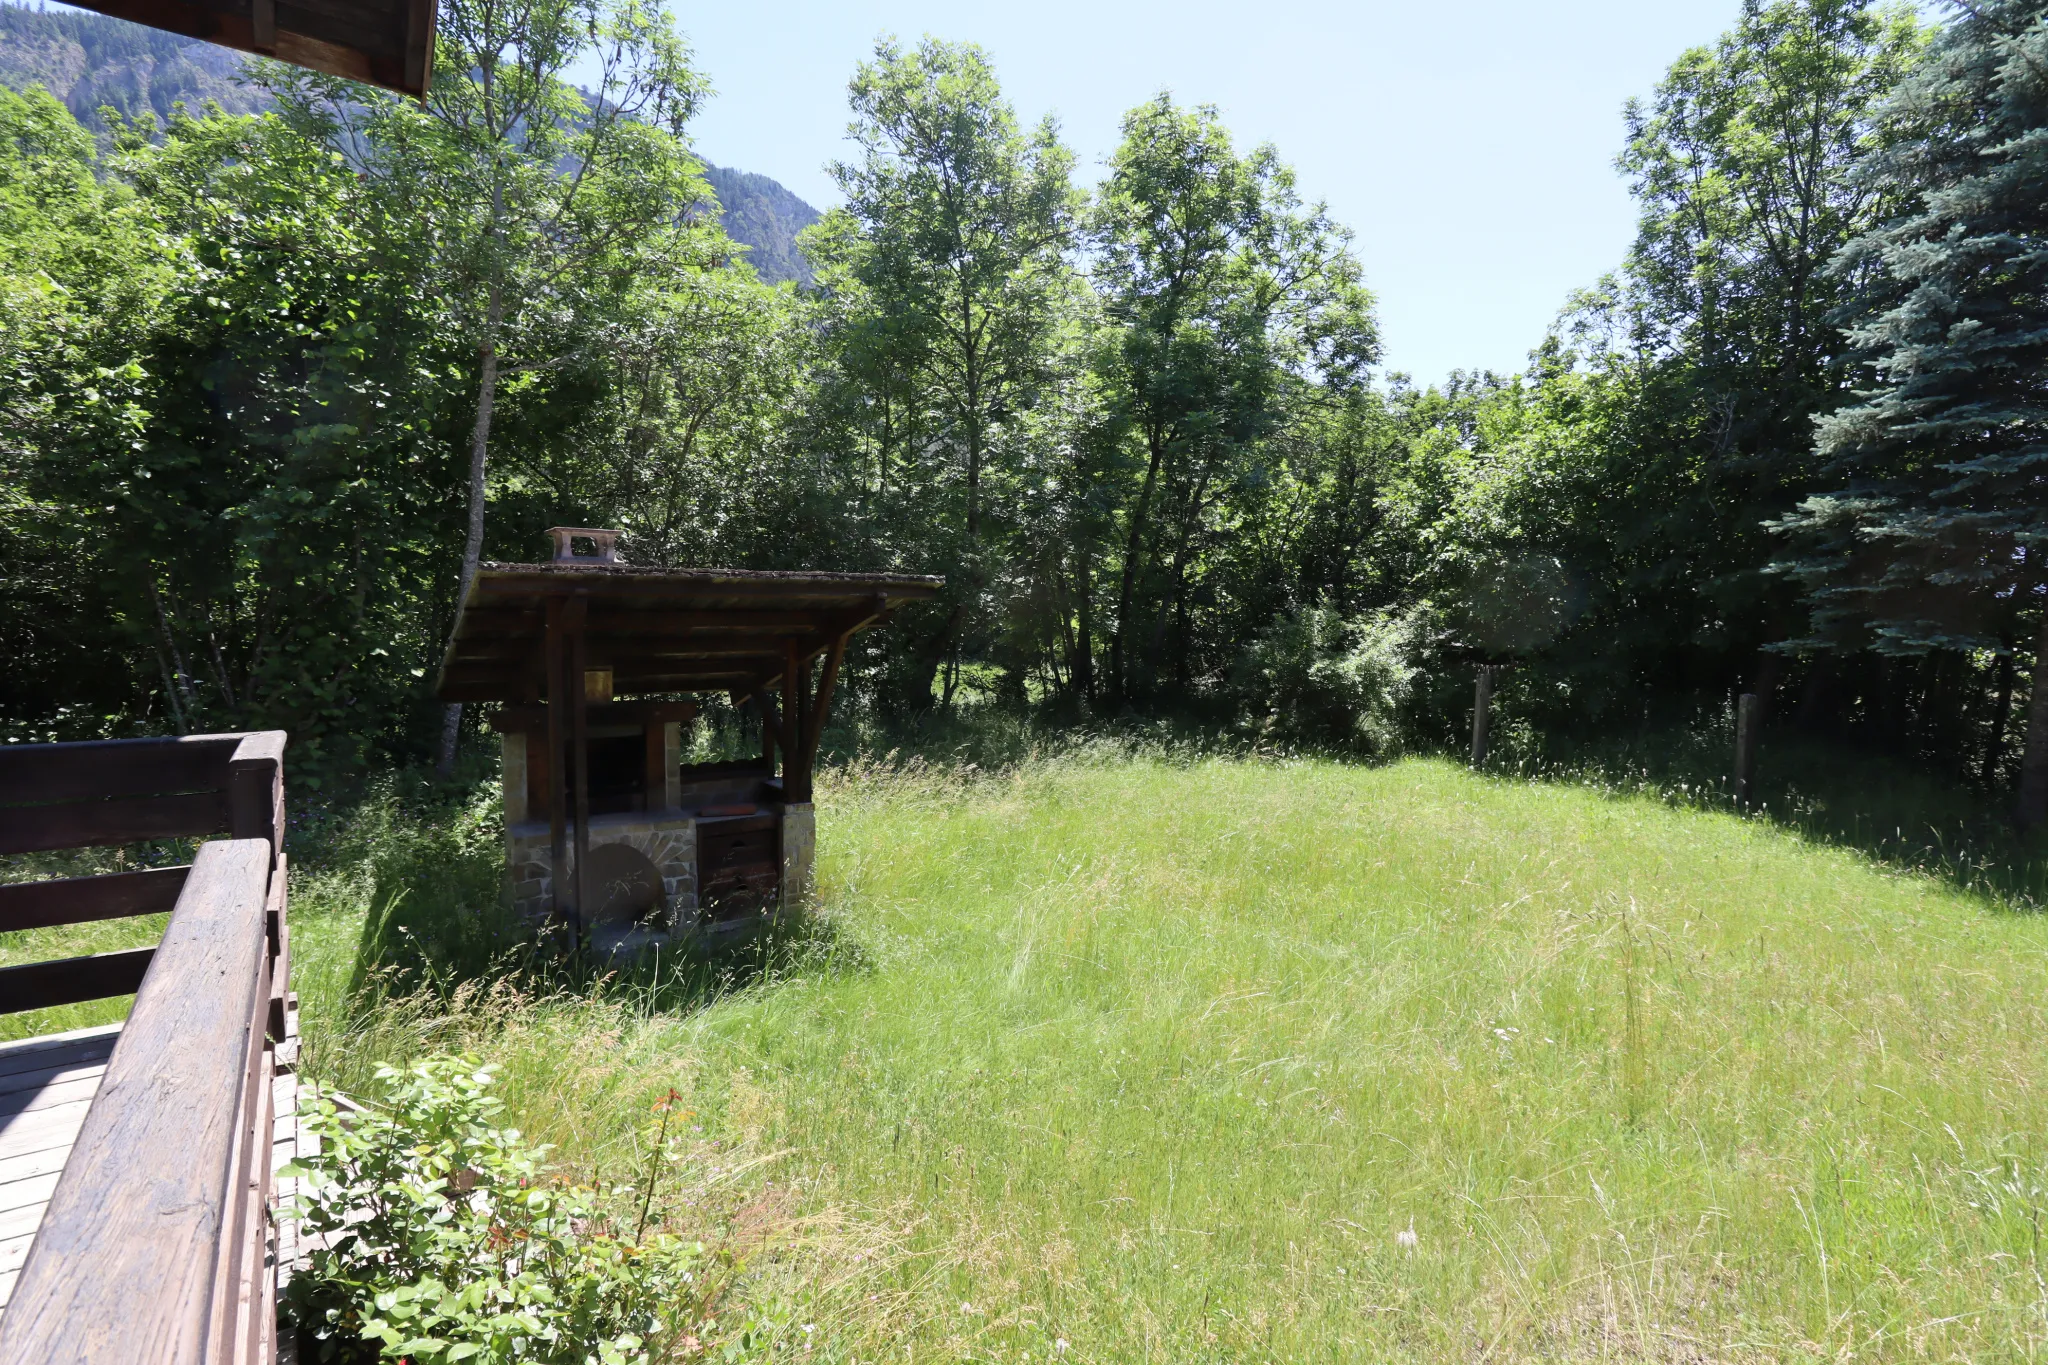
1084	641
1819	691
2033	802
2001	716
473	544
1189	524
1770	667
182	679
928	659
972	368
1180	624
1118	665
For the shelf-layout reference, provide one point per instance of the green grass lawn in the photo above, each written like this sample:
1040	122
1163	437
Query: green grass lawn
1168	1062
1164	1061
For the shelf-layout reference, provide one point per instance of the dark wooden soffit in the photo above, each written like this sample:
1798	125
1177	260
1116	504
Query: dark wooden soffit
661	630
379	42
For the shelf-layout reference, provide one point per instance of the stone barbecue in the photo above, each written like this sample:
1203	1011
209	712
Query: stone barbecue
594	663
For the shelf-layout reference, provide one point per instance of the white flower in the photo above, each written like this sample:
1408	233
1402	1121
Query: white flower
1407	1237
1060	1345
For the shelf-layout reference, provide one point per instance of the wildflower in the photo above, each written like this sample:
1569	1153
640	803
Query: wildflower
1059	1345
1408	1238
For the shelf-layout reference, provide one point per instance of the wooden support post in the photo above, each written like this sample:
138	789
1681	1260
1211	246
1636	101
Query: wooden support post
821	707
551	768
654	763
806	739
1748	715
256	790
575	617
1482	713
792	712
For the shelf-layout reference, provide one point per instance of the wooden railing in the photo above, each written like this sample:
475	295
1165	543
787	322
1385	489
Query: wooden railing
155	1244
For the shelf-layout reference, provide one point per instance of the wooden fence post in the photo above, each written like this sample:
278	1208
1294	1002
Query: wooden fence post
1748	710
1482	706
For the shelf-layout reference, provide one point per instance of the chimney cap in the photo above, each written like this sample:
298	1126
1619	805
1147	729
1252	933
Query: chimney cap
605	545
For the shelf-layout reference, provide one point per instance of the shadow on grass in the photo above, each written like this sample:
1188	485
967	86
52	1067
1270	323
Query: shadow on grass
437	936
422	944
1892	811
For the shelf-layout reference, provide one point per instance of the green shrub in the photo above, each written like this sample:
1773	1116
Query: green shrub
1317	676
441	1238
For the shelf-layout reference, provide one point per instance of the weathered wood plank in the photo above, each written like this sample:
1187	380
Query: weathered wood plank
70	1070
82	900
252	1235
711	681
41	773
29	1190
32	1164
789	741
579	760
248	1182
532	717
255	789
31	1054
121	820
485	625
560	698
42	1129
67	981
821	704
518	586
145	1196
13	1251
21	1222
718	826
52	1096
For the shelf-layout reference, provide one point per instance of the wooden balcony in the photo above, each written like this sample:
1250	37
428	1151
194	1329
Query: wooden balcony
137	1218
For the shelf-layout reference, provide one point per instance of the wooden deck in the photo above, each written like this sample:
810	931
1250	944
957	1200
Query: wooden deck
46	1086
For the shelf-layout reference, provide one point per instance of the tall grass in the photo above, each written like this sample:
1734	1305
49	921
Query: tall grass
1104	1055
1162	1061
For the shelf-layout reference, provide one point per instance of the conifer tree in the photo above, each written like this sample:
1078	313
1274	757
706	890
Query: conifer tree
1938	535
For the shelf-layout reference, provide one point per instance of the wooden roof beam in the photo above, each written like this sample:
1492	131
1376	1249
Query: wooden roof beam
389	43
664	620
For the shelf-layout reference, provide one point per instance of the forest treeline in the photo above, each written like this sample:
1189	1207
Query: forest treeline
272	385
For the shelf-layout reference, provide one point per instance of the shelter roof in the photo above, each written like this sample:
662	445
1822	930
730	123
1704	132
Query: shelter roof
660	630
381	42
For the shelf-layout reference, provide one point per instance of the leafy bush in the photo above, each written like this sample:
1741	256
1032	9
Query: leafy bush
440	1238
1317	676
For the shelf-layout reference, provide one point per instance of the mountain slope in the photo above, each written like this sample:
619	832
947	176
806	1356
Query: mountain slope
766	218
89	61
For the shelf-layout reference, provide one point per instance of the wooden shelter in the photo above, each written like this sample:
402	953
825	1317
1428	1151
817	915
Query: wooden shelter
379	42
591	660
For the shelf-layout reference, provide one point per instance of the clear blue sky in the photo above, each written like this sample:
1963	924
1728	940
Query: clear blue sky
1470	146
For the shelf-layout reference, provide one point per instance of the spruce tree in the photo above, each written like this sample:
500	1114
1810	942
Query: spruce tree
1937	537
